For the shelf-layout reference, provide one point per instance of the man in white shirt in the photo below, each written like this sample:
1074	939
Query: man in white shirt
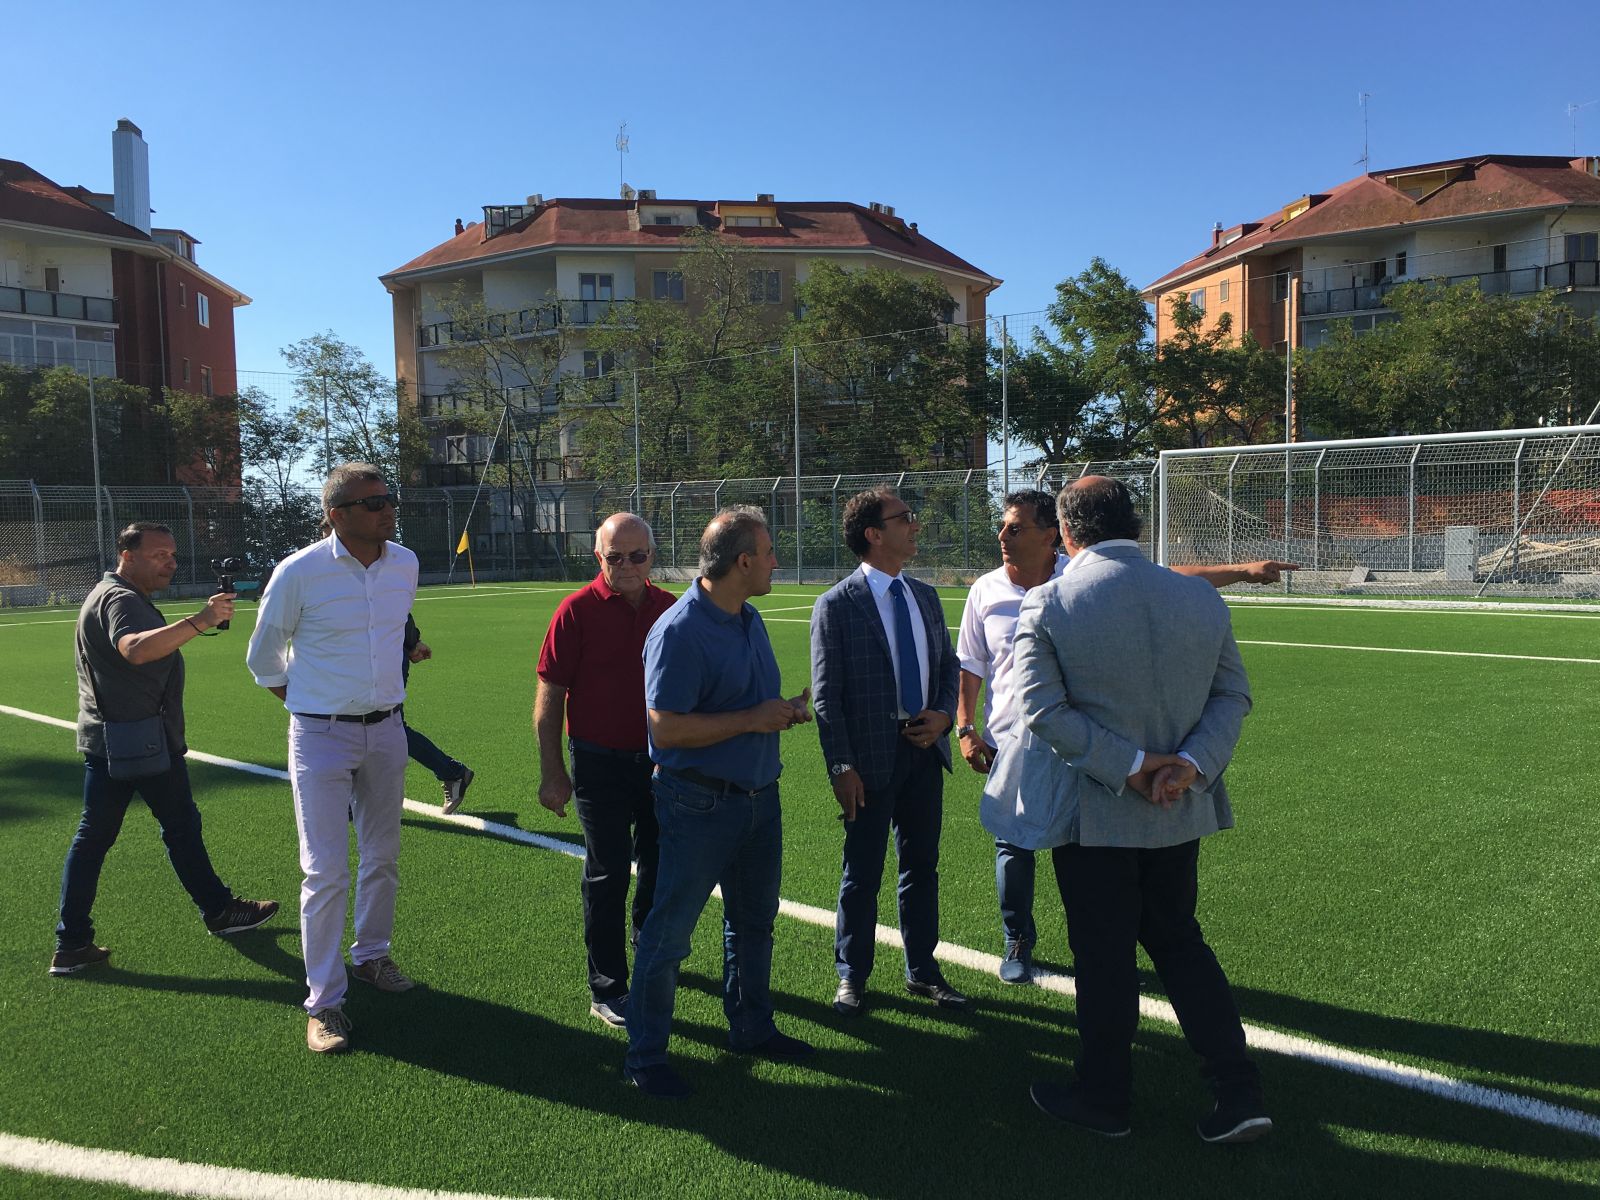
1030	550
328	643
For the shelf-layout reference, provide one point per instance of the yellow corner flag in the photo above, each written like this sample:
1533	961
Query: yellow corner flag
465	547
461	546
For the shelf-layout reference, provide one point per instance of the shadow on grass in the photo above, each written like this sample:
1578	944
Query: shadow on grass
501	818
37	786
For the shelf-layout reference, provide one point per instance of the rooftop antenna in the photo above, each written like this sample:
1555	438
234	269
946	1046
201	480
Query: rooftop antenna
1365	161
622	148
1572	116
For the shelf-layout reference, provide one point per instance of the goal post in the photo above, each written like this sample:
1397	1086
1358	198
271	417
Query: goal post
1505	514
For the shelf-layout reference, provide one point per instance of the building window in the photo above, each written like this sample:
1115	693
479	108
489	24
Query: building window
1499	258
664	218
1400	263
1378	271
52	279
750	222
667	285
1280	286
1222	291
202	308
186	370
205	382
1583	247
183	294
595	287
766	287
597	365
1197	299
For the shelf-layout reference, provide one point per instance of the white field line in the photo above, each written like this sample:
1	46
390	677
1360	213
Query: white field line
1498	608
1327	1054
1438	653
1287	604
173	1177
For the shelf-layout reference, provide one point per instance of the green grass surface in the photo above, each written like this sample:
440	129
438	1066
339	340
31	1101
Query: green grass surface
1412	876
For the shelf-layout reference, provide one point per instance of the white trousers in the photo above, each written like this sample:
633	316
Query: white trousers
343	771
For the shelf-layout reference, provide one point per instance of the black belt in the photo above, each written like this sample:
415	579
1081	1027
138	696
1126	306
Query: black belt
711	782
633	756
371	718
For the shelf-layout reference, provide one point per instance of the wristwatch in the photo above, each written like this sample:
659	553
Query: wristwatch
839	769
964	730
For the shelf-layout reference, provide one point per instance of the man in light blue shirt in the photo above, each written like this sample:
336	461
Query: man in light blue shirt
715	711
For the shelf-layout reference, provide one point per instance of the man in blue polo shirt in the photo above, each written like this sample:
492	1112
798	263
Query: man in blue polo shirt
715	710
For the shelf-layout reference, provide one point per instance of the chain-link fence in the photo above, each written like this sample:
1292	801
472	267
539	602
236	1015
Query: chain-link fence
1496	514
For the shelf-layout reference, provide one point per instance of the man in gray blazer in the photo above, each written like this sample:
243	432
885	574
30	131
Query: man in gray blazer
1130	675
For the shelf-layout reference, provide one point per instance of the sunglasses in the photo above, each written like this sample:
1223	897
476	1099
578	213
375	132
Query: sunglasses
372	503
637	557
909	517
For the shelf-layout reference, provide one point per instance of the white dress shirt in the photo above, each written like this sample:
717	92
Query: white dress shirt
984	645
879	582
333	631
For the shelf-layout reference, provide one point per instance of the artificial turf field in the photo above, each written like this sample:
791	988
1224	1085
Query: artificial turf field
1413	877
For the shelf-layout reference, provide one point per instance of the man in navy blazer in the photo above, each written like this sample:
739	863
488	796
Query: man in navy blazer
884	685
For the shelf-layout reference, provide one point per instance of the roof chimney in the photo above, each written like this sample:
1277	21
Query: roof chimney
1216	235
763	197
460	228
130	173
535	200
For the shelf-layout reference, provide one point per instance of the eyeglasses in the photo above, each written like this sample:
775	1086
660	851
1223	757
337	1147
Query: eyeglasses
909	517
372	503
637	557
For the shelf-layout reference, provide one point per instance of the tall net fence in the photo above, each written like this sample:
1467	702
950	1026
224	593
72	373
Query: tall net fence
1503	514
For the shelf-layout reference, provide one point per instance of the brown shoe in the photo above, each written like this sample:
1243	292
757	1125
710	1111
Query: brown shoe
328	1031
382	974
70	962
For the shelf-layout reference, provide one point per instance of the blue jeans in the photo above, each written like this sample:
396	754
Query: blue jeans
418	746
105	803
1013	880
707	838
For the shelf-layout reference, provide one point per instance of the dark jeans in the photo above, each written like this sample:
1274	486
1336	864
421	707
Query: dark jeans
105	802
734	839
1013	880
1114	898
617	811
419	747
913	802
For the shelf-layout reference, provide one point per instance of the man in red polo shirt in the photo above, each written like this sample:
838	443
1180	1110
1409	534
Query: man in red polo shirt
591	672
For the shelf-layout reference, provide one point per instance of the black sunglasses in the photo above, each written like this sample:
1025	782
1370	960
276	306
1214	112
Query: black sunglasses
909	517
372	503
636	557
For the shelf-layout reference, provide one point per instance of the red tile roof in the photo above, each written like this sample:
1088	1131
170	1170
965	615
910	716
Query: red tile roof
1488	184
825	225
28	197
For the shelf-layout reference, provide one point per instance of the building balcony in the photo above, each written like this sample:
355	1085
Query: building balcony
1520	282
61	306
545	318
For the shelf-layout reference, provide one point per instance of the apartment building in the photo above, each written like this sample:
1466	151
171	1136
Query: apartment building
1515	223
577	263
86	281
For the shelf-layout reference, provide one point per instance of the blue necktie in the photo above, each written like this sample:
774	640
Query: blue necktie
905	644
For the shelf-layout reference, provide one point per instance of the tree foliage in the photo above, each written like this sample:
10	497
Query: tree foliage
1456	359
349	405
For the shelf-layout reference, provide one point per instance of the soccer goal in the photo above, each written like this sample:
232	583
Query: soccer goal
1498	515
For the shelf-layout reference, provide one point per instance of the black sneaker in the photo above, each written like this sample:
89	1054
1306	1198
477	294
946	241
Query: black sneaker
659	1081
1233	1121
1067	1104
455	790
70	962
241	915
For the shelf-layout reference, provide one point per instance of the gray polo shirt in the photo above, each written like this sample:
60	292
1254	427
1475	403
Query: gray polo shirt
129	692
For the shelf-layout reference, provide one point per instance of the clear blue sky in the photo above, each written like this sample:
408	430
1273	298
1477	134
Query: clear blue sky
311	147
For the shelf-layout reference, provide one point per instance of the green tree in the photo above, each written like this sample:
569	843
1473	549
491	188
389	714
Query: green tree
45	429
1216	389
1455	359
204	432
346	398
714	398
888	381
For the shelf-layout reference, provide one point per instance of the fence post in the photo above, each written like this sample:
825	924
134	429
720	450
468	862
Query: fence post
1155	489
188	502
450	539
94	447
111	511
1411	509
1161	508
38	532
1288	500
837	479
798	505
